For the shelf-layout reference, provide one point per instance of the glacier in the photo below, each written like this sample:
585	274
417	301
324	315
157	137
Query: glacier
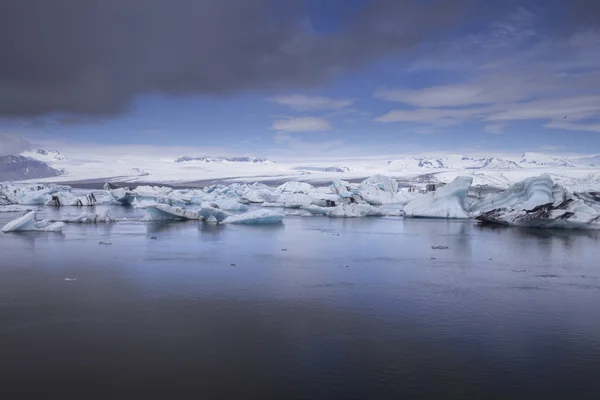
28	222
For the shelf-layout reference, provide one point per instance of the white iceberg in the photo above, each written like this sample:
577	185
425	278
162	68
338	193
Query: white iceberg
212	213
229	204
405	195
524	195
381	182
354	211
167	212
28	222
341	188
449	201
296	187
266	204
257	217
89	218
316	210
570	213
261	196
123	196
295	200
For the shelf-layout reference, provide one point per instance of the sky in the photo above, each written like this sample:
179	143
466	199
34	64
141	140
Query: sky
300	78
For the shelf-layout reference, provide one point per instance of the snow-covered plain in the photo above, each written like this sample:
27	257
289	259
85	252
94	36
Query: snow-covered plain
576	172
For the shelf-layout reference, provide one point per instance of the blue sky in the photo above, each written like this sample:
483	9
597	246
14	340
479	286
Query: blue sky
501	84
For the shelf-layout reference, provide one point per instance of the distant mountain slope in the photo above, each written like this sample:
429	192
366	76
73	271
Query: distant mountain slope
47	156
452	161
15	168
544	160
253	160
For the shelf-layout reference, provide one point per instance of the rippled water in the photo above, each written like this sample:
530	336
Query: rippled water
314	308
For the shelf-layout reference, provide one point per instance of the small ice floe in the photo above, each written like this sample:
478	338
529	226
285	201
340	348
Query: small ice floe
70	279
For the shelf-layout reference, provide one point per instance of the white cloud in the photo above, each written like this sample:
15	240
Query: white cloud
303	124
494	128
545	81
10	144
302	102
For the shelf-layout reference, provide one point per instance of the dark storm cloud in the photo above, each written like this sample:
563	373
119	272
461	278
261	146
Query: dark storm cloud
92	57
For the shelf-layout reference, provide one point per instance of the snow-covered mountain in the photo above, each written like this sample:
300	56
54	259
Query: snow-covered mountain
253	160
13	168
47	156
544	160
336	168
451	161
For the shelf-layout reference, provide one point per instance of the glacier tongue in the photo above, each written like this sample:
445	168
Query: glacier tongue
446	202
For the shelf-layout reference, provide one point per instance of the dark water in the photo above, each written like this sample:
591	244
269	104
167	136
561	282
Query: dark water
351	309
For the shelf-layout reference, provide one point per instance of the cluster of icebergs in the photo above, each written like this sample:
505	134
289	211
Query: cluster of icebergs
537	202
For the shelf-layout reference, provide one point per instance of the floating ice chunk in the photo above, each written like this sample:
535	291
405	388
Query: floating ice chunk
446	202
296	187
381	182
28	222
375	196
123	196
316	210
524	195
167	212
405	195
341	188
256	217
571	214
89	218
69	199
295	200
208	212
261	196
266	204
229	204
354	211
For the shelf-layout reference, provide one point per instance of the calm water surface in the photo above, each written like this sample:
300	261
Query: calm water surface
315	308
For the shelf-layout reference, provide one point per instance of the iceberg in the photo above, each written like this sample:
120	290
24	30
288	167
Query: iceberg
446	202
296	187
295	200
123	196
525	195
381	182
571	213
28	222
354	211
229	204
257	217
341	188
260	196
89	218
167	212
208	212
316	210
